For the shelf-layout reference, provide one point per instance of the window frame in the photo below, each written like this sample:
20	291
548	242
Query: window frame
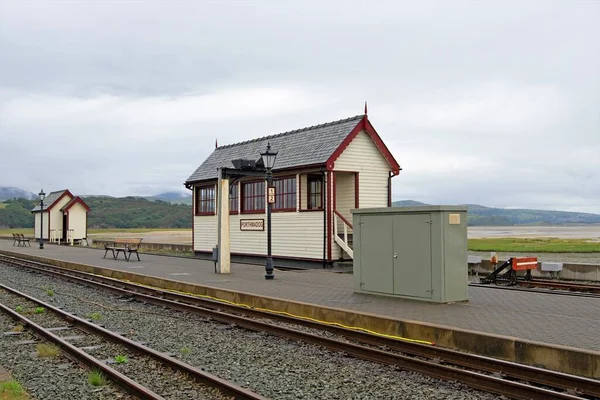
198	200
309	179
235	199
243	209
281	194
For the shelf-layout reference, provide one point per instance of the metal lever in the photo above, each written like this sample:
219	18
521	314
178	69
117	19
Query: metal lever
395	255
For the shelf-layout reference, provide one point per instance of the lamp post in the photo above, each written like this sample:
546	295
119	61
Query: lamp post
268	158
42	197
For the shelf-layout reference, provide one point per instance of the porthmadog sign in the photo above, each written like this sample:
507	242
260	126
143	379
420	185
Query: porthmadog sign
252	225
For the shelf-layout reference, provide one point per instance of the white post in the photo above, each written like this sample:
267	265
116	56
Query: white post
222	210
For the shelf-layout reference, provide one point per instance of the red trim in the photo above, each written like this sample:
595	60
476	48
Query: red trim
195	196
365	125
243	197
257	212
390	190
77	200
343	219
329	214
356	189
193	214
57	200
283	177
334	191
237	198
310	178
311	210
48	225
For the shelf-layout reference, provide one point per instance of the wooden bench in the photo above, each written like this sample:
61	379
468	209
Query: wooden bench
126	246
20	240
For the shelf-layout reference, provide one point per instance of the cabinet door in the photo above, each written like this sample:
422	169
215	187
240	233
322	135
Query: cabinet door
412	255
376	253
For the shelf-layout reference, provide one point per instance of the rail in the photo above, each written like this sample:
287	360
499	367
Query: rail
452	365
133	387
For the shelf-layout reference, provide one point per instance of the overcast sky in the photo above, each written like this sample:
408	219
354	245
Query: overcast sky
495	103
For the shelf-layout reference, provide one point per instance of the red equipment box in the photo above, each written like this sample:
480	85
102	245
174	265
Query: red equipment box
524	263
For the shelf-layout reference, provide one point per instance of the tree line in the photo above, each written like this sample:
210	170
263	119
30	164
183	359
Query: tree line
107	212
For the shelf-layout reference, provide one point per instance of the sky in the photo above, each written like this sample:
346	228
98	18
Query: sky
492	103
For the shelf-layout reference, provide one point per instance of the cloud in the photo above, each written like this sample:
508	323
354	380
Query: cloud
493	103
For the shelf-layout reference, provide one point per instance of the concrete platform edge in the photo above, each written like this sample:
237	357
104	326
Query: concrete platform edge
558	358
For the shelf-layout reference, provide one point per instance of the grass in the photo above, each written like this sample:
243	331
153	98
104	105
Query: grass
47	350
50	292
185	350
39	310
3	205
107	232
18	328
10	231
12	390
537	245
134	230
96	378
95	316
121	359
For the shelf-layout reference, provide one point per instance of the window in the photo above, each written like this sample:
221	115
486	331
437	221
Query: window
233	198
205	200
315	192
285	194
253	197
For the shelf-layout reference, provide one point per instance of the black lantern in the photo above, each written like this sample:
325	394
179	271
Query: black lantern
42	197
268	158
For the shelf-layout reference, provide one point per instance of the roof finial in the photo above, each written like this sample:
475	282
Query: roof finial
216	144
365	108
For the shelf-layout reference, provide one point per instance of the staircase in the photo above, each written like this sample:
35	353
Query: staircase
344	239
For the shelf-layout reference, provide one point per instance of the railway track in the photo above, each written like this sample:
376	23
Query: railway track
484	373
72	328
548	286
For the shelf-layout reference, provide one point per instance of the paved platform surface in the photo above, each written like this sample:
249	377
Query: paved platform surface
562	320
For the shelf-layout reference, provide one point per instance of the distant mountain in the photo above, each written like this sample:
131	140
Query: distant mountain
408	203
488	216
8	193
173	197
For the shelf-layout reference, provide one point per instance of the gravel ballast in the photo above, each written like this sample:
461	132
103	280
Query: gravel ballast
49	377
274	367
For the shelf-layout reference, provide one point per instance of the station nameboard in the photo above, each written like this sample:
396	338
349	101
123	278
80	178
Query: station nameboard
252	225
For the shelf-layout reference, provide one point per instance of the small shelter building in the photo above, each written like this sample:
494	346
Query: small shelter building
64	218
320	174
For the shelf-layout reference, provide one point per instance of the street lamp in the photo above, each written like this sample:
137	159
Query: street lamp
42	197
268	158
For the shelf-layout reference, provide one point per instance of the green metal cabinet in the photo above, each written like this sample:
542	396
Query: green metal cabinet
411	252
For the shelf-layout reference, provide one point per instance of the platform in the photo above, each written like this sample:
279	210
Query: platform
554	320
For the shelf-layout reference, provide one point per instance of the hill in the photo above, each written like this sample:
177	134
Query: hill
108	212
8	193
479	215
173	197
136	212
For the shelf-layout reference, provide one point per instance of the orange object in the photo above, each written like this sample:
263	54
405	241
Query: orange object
524	263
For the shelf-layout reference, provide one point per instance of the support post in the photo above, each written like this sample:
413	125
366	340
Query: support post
42	225
222	211
269	267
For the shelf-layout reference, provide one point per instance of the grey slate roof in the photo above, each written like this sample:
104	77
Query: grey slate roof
306	146
50	198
